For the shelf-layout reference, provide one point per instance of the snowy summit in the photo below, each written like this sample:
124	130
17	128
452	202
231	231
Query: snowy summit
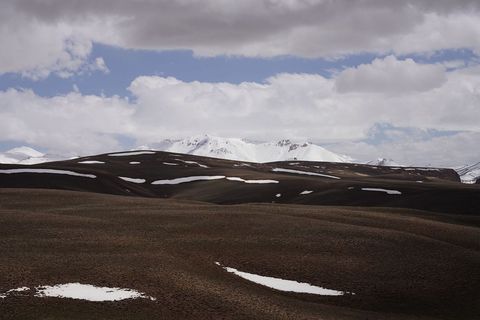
244	150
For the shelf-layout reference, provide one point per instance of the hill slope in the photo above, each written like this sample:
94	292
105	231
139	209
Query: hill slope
170	175
394	263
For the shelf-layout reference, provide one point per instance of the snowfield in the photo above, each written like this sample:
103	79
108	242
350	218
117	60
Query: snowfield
245	150
50	171
80	291
283	285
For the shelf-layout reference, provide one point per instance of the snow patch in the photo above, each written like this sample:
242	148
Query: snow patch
13	291
50	171
82	292
192	162
251	181
283	285
382	190
278	195
134	162
304	172
170	164
306	192
26	151
187	179
242	165
134	180
91	162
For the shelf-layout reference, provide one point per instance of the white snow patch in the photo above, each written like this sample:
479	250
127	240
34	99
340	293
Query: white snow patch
192	162
283	285
251	181
91	162
82	292
133	153
51	171
278	195
9	292
134	180
89	292
170	164
242	165
134	162
306	192
422	169
382	190
304	172
187	179
27	151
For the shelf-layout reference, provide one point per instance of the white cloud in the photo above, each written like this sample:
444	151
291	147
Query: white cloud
310	106
36	48
67	124
100	65
40	37
451	150
390	75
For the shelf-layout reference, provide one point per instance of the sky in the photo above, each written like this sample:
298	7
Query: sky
369	79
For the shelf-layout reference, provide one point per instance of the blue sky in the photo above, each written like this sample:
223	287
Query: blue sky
127	64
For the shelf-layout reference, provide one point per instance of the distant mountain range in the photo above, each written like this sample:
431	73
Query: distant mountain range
27	155
469	174
245	150
237	149
384	162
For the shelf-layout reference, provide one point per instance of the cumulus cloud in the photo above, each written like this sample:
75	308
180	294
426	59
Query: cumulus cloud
311	106
450	150
73	123
390	75
36	35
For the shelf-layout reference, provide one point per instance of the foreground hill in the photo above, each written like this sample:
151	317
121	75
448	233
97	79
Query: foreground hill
169	175
385	263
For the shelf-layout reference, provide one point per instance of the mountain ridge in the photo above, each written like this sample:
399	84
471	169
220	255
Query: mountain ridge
248	150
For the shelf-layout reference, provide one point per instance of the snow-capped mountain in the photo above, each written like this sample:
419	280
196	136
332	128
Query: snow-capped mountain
469	174
26	155
244	150
384	162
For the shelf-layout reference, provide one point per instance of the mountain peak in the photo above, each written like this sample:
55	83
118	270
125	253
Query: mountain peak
25	151
246	150
384	162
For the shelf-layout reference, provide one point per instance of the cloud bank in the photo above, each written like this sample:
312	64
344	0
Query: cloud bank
336	110
41	37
